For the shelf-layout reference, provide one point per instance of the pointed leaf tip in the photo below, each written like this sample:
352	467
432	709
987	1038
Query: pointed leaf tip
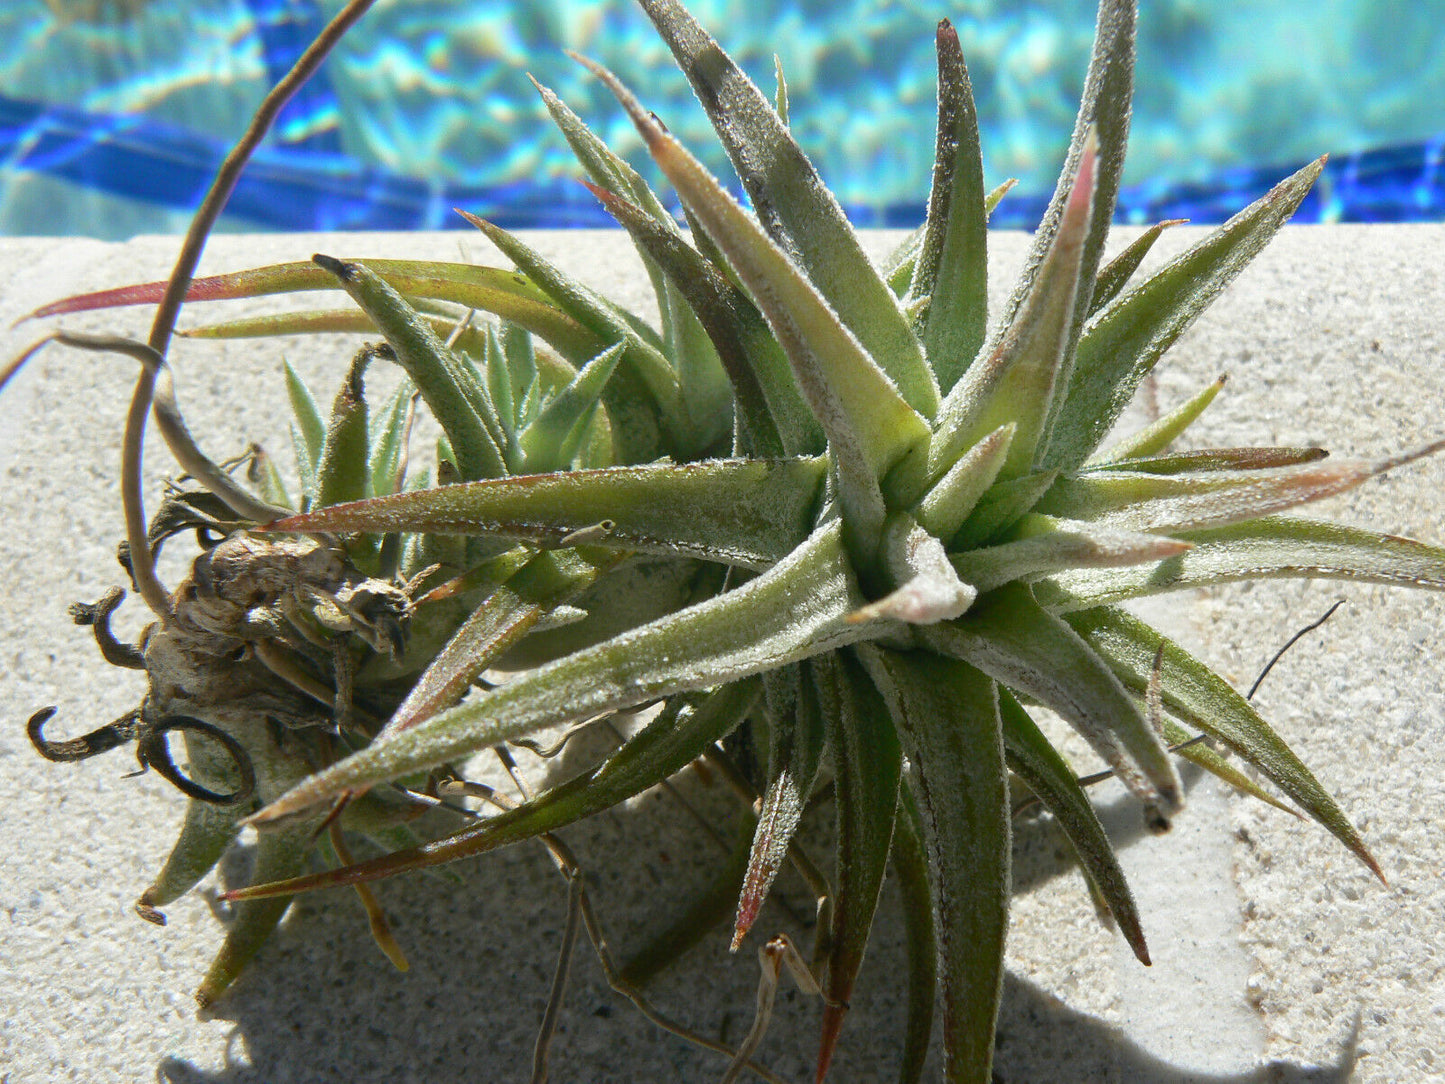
782	809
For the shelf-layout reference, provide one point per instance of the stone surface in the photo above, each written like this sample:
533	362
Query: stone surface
1278	956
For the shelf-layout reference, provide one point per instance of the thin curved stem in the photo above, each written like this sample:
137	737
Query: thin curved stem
132	457
153	752
568	866
101	740
230	172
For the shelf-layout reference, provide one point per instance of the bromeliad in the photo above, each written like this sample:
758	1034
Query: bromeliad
892	527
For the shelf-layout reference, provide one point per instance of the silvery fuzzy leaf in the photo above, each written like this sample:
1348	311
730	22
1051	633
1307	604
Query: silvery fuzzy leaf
951	266
795	208
1274	546
795	610
1123	342
751	513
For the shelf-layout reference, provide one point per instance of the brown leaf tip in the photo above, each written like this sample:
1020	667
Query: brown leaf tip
340	268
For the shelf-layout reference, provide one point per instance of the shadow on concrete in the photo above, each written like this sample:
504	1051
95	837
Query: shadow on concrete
322	1004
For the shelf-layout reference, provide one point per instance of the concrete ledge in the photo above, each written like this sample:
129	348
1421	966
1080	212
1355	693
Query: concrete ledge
1278	957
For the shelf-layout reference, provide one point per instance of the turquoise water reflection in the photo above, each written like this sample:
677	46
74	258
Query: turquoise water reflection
429	98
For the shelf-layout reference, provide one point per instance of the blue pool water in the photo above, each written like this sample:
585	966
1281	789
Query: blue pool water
114	113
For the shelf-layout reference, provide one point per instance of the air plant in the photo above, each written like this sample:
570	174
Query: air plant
886	530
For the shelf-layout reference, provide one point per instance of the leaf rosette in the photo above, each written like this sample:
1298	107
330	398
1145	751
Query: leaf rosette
898	523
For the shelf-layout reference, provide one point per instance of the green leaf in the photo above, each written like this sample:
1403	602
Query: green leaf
1202	698
569	338
1043	544
638	591
1184	745
1275	546
1000	507
644	392
772	411
342	472
948	715
910	866
745	512
1013	640
1017	380
1104	110
951	268
1153	439
795	610
509	612
208	829
945	507
780	102
897	269
387	457
268	479
1125	341
1210	498
565	335
309	429
870	426
551	441
505	375
1049	776
867	764
609	170
277	855
703	391
795	208
680	733
1115	274
450	387
793	724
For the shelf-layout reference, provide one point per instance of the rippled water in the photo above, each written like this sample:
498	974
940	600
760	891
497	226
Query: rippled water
113	112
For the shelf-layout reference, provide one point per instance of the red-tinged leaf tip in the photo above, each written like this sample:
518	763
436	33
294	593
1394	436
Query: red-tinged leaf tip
477	220
777	821
223	287
148	293
1363	854
607	197
748	909
1135	937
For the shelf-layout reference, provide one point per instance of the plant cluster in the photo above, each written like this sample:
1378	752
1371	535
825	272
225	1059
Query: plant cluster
832	515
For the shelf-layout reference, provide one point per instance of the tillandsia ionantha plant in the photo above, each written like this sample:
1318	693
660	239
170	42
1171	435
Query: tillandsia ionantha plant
832	516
